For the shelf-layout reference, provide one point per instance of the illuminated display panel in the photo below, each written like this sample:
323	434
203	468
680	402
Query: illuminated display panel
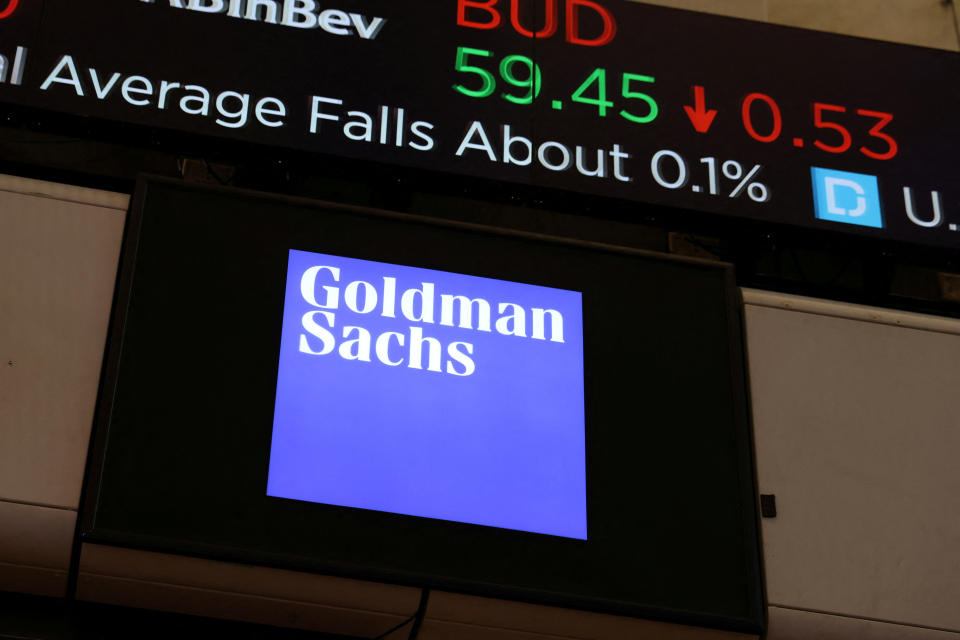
609	472
613	98
430	394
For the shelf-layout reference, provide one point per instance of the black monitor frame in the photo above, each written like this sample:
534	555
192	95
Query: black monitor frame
679	499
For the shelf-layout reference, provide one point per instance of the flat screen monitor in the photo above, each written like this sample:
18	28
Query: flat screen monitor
389	397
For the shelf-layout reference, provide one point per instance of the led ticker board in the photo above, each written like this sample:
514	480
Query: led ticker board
605	97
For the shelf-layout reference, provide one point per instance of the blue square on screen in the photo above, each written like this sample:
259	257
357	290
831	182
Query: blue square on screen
431	394
851	198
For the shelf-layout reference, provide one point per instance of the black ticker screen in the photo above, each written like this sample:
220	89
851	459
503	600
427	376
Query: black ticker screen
606	97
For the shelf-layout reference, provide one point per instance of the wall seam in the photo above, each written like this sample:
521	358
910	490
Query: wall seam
92	580
64	192
860	313
45	505
867	619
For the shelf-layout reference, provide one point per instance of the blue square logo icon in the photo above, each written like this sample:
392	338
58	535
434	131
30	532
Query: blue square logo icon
852	198
431	394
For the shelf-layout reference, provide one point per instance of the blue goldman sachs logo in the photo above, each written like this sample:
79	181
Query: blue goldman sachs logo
852	198
432	394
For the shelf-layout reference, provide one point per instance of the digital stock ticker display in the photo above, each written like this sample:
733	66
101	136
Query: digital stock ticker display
606	97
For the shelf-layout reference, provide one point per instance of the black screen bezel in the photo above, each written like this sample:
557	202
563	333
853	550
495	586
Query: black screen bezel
751	621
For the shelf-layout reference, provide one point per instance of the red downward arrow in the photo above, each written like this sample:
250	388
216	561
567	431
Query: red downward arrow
699	116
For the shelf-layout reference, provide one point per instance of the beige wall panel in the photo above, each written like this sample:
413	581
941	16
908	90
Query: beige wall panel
927	23
492	618
436	630
36	536
253	594
59	260
33	580
749	9
857	433
245	579
234	606
35	546
788	624
65	192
